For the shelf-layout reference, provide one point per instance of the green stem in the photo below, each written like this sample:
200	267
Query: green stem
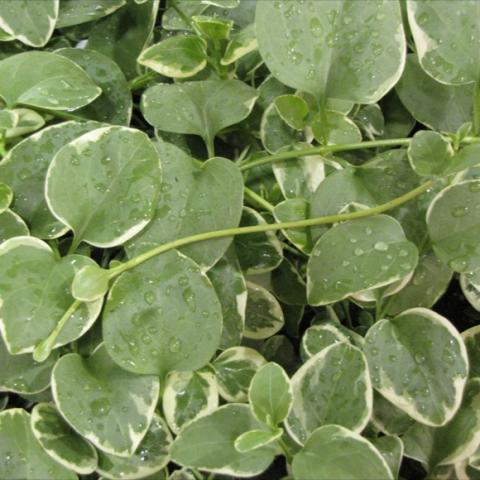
256	199
393	142
229	232
60	114
141	80
210	144
44	348
285	449
476	109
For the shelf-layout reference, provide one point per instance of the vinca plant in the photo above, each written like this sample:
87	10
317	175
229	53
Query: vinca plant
239	238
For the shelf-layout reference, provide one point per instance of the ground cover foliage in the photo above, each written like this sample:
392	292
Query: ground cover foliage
239	239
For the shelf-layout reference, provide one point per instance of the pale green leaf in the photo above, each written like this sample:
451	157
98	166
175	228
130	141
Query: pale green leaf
187	396
358	255
36	294
177	57
270	394
430	153
438	106
332	387
453	442
319	47
193	199
164	315
318	337
200	108
118	406
74	12
219	454
333	451
446	37
454	226
255	439
114	105
25	169
391	449
22	456
264	315
6	197
240	44
229	283
257	252
214	28
45	80
335	129
293	110
21	374
11	225
123	45
28	121
29	21
60	441
123	167
235	368
151	456
471	338
90	283
419	363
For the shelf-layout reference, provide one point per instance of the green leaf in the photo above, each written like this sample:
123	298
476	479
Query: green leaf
318	337
257	252
439	29
73	12
31	22
264	316
229	283
275	133
177	57
60	441
391	449
36	294
471	338
188	396
162	316
22	456
235	368
6	197
293	110
433	360
114	105
123	35
118	406
454	226
332	387
151	456
430	153
389	419
337	127
123	167
45	80
453	442
375	246
188	197
255	439
199	108
11	225
28	121
241	43
288	284
219	454
291	210
333	451
20	374
428	283
90	283
25	169
213	28
8	118
300	177
318	47
270	394
436	105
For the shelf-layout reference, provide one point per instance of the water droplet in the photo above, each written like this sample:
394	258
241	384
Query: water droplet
381	246
460	211
174	344
358	252
149	297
